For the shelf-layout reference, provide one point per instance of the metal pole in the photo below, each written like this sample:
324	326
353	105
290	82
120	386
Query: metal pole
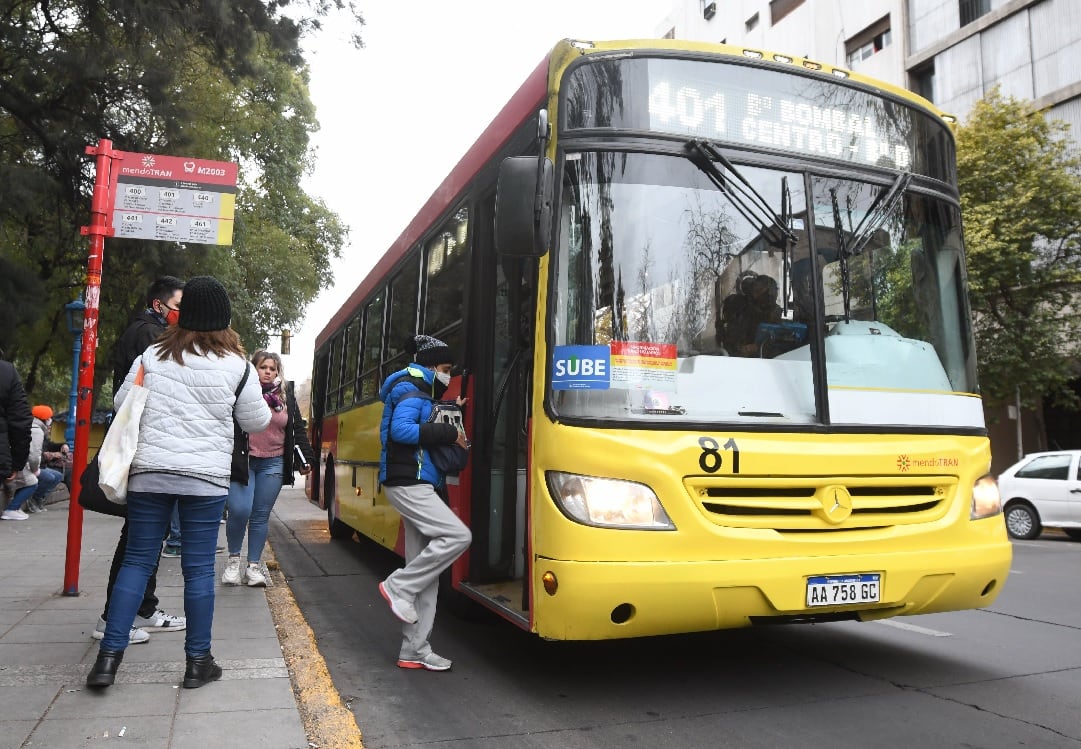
1020	430
100	204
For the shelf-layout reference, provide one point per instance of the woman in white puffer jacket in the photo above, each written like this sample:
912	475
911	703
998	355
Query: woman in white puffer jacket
193	373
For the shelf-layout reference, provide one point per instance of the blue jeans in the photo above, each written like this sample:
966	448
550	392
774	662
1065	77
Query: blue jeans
250	506
148	521
20	496
48	478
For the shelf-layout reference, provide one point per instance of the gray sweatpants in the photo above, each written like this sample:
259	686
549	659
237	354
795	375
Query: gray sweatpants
434	538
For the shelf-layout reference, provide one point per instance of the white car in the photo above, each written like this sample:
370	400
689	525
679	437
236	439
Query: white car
1043	490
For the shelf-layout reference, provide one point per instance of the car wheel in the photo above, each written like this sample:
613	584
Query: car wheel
1022	521
1074	533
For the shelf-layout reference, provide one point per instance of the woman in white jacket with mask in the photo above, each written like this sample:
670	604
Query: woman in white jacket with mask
183	458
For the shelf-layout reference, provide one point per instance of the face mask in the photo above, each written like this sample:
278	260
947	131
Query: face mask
167	313
443	377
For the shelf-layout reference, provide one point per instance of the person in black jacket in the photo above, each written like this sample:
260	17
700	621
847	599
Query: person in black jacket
162	310
15	423
744	312
163	300
272	460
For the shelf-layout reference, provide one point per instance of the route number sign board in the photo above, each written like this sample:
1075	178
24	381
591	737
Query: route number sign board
173	199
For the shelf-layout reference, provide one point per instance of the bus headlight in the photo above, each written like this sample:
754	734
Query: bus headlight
607	503
986	500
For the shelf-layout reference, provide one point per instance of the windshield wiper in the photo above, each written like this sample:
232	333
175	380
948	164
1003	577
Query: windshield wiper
855	241
842	253
786	251
879	211
748	201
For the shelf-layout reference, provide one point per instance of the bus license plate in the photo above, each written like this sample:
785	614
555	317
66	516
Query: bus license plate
843	590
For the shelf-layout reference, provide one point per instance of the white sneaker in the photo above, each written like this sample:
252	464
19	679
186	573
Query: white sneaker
135	637
14	515
254	577
159	621
231	576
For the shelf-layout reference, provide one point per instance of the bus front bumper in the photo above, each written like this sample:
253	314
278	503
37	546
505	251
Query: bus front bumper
610	600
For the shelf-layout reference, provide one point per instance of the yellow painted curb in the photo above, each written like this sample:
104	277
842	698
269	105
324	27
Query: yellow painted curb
328	723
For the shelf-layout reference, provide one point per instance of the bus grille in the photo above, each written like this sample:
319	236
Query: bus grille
822	504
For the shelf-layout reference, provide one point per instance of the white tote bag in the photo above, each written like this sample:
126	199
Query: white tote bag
118	448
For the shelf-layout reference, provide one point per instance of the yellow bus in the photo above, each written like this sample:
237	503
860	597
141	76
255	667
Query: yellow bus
717	348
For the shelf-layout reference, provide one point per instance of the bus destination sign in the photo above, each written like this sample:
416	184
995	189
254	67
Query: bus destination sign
790	122
172	198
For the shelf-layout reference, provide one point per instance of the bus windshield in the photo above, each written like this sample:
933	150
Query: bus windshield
671	303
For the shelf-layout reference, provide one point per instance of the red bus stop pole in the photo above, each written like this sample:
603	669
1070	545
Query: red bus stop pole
100	204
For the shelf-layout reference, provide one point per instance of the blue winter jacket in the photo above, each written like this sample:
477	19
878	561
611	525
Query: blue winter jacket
405	432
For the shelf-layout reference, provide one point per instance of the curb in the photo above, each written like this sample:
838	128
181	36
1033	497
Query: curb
327	721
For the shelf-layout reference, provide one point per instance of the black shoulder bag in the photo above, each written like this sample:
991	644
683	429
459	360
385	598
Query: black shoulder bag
238	471
91	497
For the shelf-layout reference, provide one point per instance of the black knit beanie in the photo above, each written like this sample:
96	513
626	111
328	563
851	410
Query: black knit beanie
430	352
205	305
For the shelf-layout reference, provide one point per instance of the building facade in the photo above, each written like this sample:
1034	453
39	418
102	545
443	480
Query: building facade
952	52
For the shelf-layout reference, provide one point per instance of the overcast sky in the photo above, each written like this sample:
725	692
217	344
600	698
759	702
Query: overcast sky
397	116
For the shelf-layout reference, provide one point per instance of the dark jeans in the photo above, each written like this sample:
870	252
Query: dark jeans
48	478
148	517
150	601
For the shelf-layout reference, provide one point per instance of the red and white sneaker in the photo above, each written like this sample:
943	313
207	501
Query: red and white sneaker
430	662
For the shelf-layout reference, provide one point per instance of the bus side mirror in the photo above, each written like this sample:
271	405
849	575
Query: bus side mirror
523	206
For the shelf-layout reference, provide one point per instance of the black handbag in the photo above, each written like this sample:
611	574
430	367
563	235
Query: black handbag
91	497
238	469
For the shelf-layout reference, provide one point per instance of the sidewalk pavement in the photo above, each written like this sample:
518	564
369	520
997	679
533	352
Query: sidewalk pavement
46	652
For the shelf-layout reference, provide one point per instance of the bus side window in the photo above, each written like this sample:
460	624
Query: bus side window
371	353
446	271
404	297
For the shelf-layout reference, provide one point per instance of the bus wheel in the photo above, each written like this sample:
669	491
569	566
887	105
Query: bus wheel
337	528
1022	520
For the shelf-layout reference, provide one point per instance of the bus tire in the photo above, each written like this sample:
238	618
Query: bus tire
1022	520
338	529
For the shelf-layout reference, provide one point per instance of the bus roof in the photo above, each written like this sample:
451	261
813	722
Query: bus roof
521	106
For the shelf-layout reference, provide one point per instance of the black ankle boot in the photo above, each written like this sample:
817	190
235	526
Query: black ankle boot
200	671
104	671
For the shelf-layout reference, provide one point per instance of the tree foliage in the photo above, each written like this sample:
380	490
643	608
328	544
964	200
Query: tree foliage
214	79
1020	186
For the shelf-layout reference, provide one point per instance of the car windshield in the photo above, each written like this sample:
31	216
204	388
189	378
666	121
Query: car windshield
670	302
